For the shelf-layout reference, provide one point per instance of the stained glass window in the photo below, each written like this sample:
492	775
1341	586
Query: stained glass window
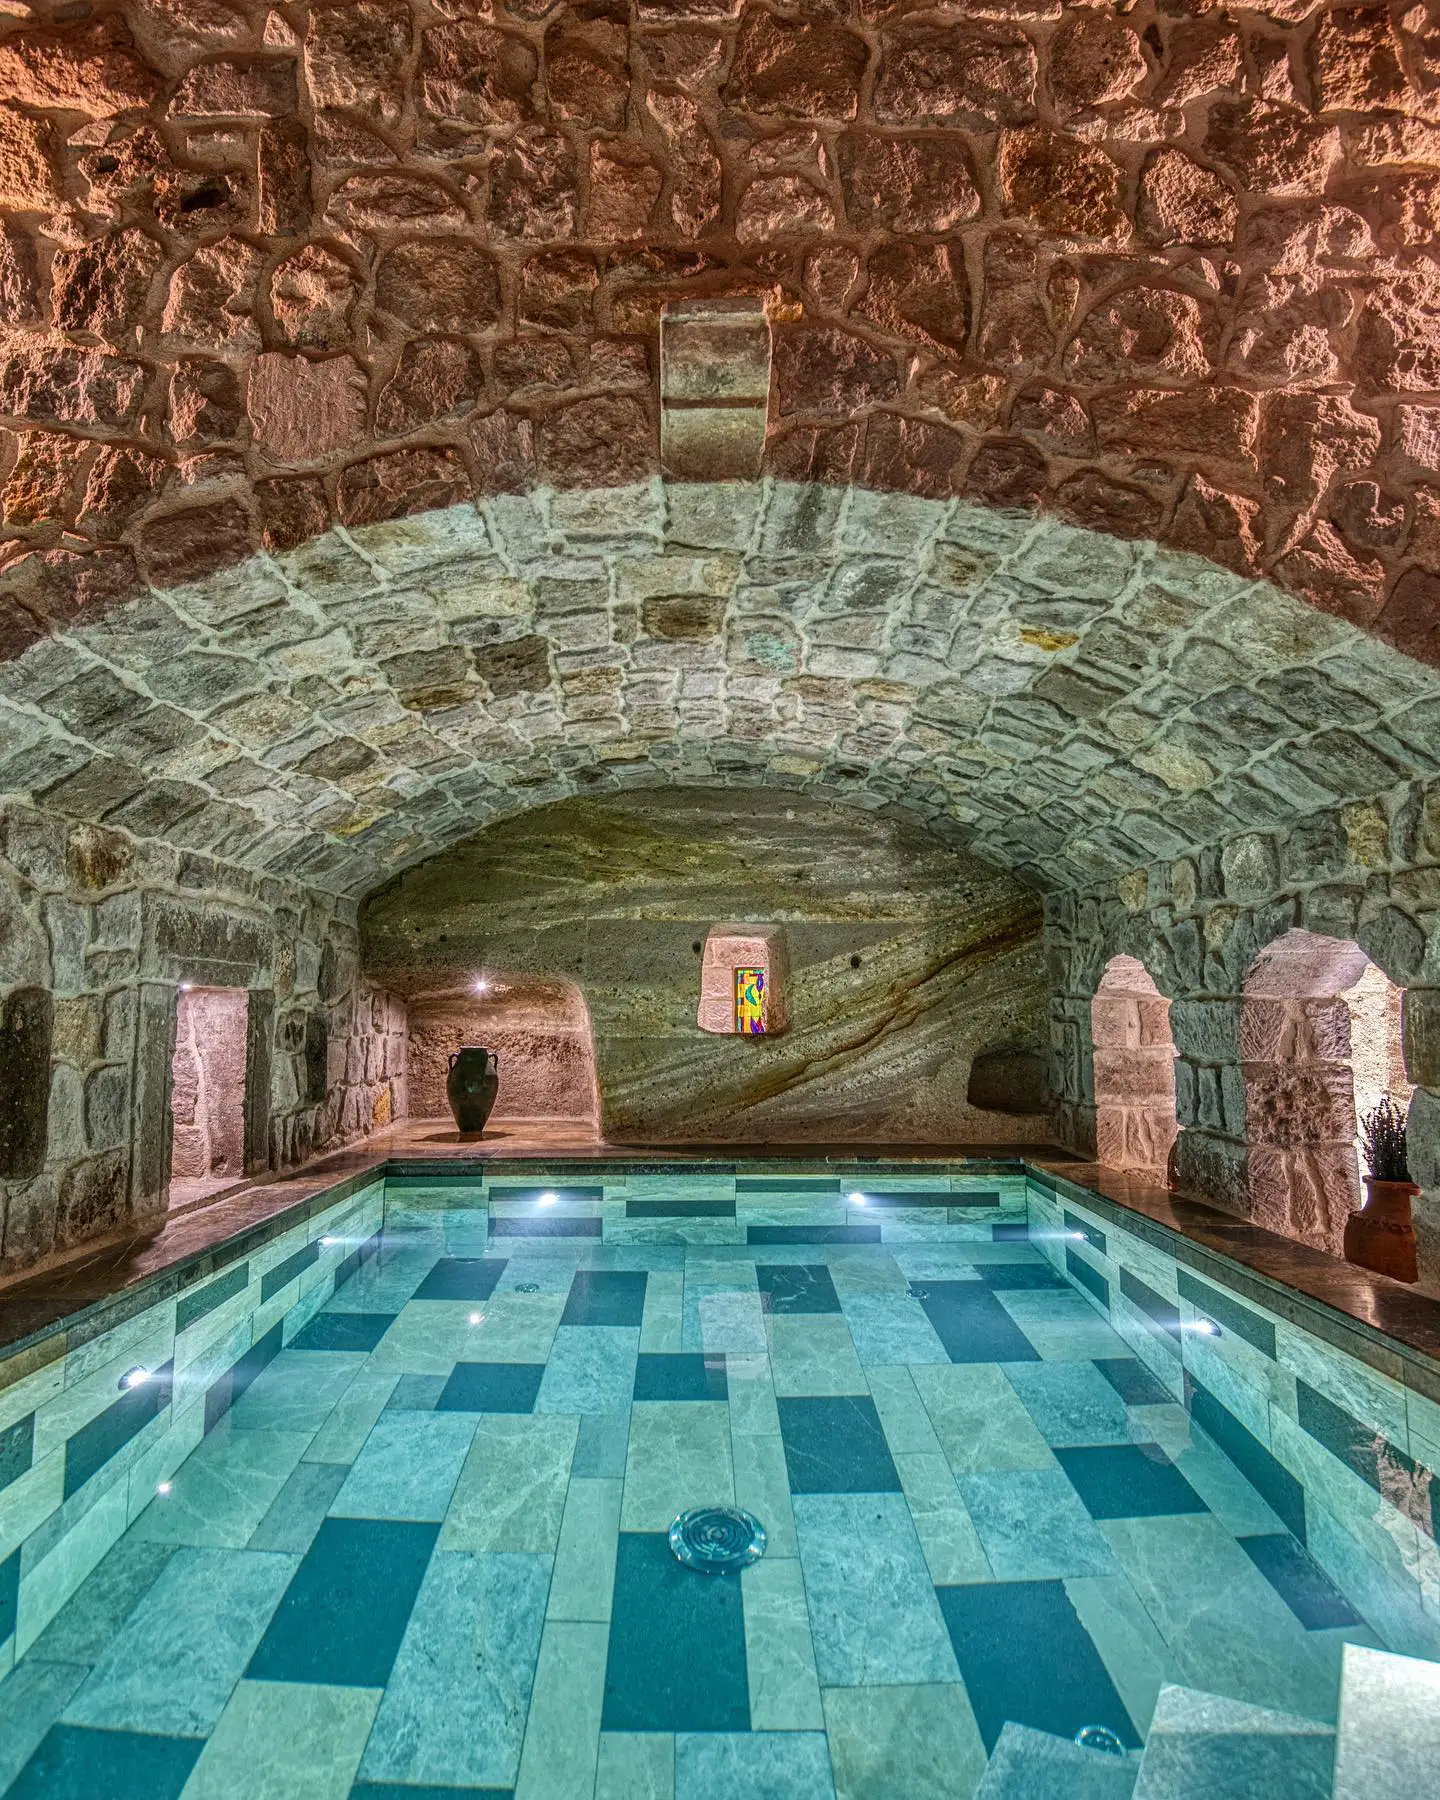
750	1002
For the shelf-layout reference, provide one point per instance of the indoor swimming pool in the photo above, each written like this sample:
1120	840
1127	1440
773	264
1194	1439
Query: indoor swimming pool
383	1510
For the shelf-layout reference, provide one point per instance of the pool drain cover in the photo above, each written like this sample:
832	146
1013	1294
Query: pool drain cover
717	1540
1099	1737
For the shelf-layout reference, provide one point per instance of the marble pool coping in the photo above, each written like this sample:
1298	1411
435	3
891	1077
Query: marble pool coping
46	1313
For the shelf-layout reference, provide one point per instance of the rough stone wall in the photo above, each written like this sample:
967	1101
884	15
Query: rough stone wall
103	928
1167	269
540	1032
1367	874
1134	1070
907	958
207	1075
1065	704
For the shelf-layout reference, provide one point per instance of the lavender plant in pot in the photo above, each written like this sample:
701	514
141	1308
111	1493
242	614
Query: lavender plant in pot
1381	1236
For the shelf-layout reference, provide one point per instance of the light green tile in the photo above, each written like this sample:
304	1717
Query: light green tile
679	1457
28	1501
1135	1655
979	1418
208	1364
223	1490
752	1397
84	1400
903	1743
149	1335
47	1585
584	1578
1364	1392
158	1463
906	1423
662	1327
342	1437
285	1740
431	1336
952	1548
29	1392
813	1353
562	1735
635	1765
762	1487
779	1652
511	1492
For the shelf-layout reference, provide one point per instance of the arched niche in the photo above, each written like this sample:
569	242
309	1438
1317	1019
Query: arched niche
1320	1043
1134	1062
540	1030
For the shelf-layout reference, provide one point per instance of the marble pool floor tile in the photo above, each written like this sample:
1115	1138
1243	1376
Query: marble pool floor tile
432	1559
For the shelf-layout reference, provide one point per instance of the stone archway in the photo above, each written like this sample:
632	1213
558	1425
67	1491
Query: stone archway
541	1032
1135	1123
1319	1043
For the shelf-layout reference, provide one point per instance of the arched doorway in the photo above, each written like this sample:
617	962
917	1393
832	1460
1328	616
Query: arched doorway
540	1030
1319	1044
1134	1059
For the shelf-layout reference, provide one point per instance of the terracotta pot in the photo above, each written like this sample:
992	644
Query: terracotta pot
1381	1235
473	1083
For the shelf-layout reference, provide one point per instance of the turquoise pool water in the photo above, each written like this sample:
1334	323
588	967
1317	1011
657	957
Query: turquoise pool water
421	1550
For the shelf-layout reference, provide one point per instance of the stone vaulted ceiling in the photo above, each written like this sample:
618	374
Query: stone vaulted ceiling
284	291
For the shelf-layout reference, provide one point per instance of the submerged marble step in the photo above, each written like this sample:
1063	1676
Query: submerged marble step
1032	1765
1208	1747
1388	1738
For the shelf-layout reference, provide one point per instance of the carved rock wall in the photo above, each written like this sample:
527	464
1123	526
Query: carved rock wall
1167	270
907	958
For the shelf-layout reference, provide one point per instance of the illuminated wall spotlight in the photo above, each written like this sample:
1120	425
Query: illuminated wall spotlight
134	1378
482	986
1203	1327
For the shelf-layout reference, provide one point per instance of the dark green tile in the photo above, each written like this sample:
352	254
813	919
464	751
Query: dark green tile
1408	1485
9	1594
1018	1233
416	1393
284	1273
348	1265
1024	1655
17	1449
812	1234
1018	1275
1227	1312
679	1209
1087	1275
1092	1234
343	1331
402	1790
340	1621
74	1762
800	1185
1300	1581
1128	1481
1274	1483
677	1644
95	1443
222	1394
462	1278
972	1324
605	1297
531	1225
195	1302
491	1388
687	1376
796	1288
928	1199
1156	1308
836	1445
1132	1381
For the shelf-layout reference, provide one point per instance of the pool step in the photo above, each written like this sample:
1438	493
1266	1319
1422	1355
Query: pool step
1388	1738
1208	1747
1032	1765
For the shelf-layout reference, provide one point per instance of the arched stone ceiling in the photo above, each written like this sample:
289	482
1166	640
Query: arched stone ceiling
1069	705
1165	268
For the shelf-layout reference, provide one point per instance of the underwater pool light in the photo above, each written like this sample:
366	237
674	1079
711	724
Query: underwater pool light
549	1199
857	1200
162	1488
1205	1327
476	1318
328	1240
134	1378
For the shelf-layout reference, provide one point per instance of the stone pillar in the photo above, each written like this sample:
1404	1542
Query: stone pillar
151	1125
259	1047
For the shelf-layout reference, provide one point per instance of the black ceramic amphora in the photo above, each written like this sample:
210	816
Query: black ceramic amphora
473	1083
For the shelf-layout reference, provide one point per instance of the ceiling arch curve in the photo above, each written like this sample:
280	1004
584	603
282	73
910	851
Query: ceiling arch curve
1069	705
1165	272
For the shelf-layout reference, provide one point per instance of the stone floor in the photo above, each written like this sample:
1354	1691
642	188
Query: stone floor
426	1550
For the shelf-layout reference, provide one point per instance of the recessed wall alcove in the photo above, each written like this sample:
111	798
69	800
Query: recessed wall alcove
207	1096
1320	1043
540	1030
744	981
1135	1122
